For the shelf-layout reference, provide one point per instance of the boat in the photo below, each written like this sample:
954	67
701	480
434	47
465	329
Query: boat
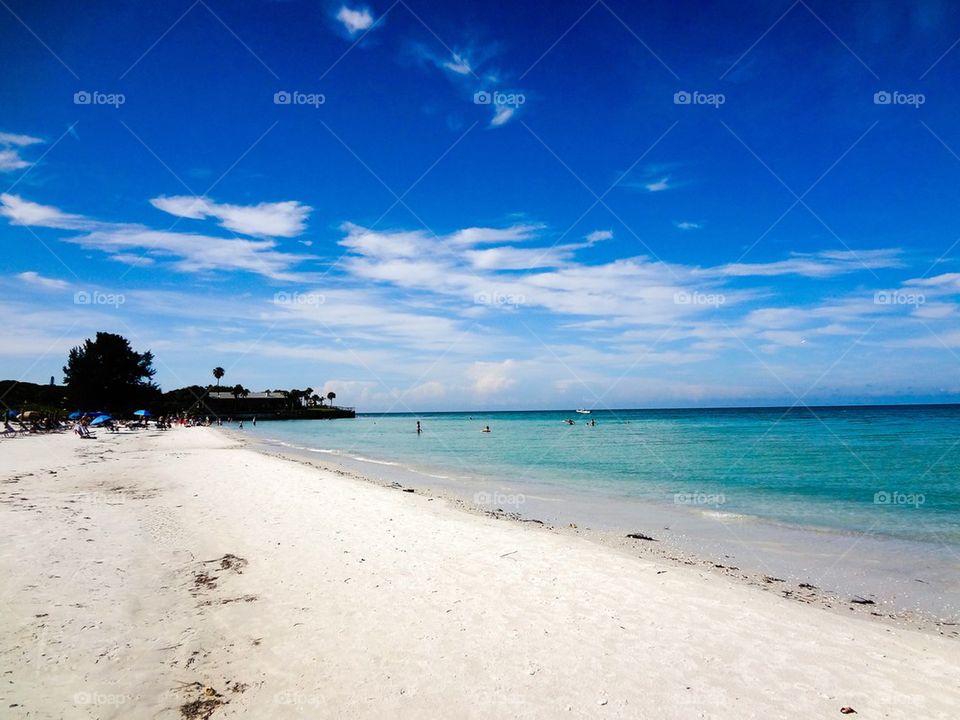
583	412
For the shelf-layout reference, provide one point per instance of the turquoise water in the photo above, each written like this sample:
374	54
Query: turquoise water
887	471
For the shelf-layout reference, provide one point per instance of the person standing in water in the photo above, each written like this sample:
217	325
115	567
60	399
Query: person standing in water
486	429
254	420
418	428
241	424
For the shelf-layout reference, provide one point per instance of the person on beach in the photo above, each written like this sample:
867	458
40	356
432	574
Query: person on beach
254	421
241	424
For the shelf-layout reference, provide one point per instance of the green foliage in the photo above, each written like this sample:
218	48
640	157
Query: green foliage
108	373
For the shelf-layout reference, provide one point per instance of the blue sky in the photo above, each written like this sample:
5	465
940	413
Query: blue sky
457	206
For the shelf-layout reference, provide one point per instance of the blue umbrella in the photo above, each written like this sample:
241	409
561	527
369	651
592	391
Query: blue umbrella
12	413
100	420
94	414
142	413
74	415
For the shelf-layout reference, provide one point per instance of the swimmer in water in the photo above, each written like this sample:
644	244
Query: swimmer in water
486	429
418	428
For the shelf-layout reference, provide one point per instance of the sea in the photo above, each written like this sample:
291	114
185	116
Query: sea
863	500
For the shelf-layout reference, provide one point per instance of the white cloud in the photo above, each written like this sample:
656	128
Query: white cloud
598	236
458	64
35	278
688	225
277	219
188	252
492	378
502	115
826	263
24	212
658	185
355	20
9	151
18	140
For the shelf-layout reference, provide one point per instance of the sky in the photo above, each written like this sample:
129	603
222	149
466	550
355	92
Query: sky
441	206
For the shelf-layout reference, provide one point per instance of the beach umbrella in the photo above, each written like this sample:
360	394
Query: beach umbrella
94	414
142	413
74	416
100	419
28	414
12	413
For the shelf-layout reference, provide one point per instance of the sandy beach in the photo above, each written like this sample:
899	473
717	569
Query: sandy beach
178	574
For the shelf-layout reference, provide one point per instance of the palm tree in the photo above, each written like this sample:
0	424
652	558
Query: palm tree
330	396
219	372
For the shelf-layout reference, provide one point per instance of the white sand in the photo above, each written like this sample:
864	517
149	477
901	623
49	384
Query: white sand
361	601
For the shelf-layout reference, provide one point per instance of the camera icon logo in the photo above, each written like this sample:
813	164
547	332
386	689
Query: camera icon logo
482	97
81	297
682	98
282	97
882	97
82	97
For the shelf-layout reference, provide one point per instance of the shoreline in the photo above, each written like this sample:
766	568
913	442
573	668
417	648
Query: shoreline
158	574
761	553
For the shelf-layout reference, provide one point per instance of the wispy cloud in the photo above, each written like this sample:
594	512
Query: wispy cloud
687	225
10	144
276	219
35	278
187	252
658	185
826	263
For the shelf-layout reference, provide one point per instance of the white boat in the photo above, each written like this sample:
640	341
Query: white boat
583	412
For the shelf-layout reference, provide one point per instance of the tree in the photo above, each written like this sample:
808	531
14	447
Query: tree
331	396
219	372
315	399
108	372
239	391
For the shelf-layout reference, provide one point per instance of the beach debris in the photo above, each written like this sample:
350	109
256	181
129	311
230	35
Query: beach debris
847	710
409	490
640	536
771	579
857	600
202	708
602	701
807	586
508	554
